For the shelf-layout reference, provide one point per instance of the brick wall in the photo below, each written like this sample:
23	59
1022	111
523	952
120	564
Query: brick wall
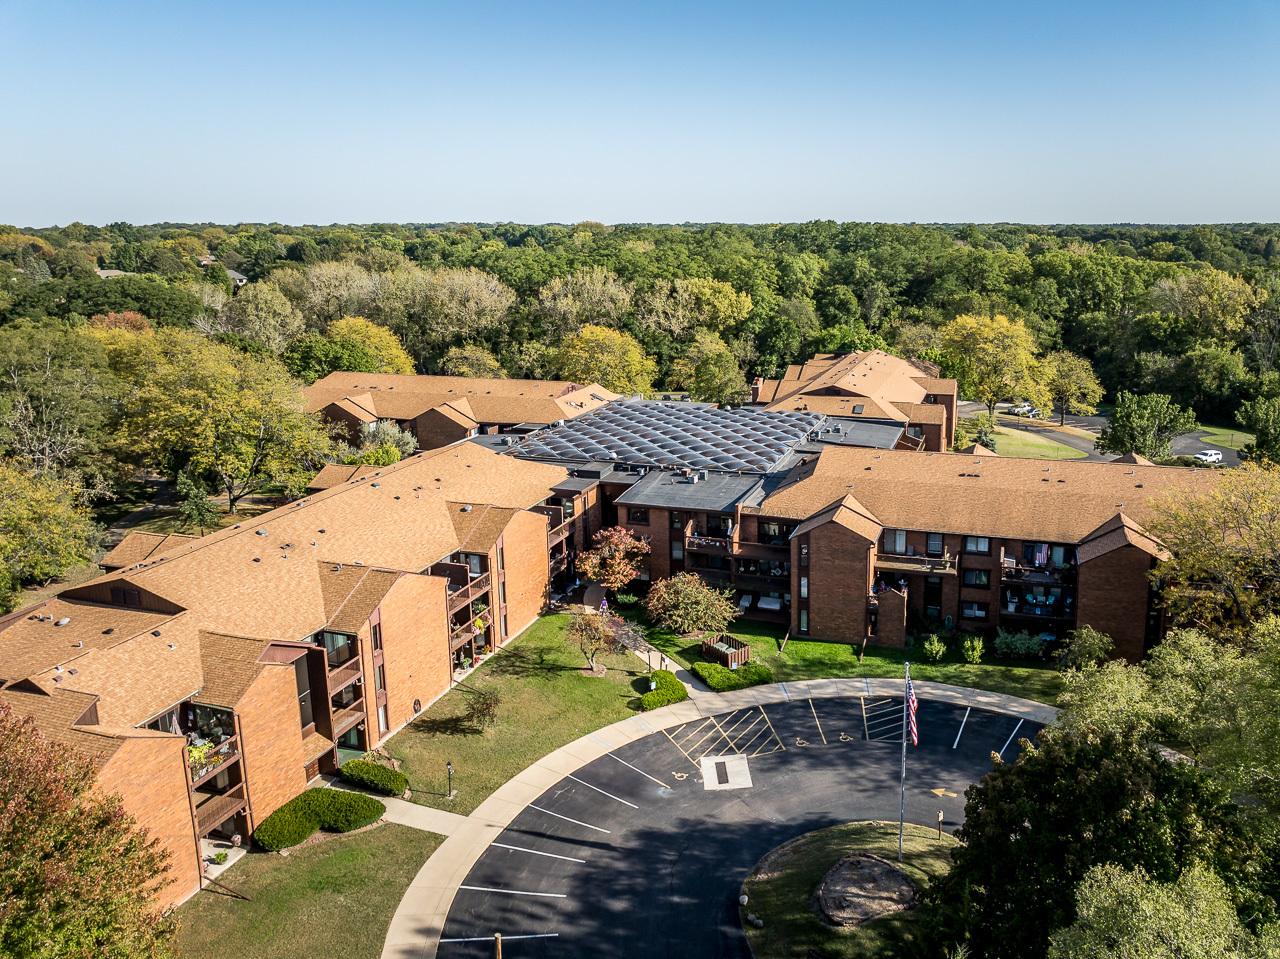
839	583
658	532
271	739
415	645
1113	594
524	552
150	775
351	427
434	430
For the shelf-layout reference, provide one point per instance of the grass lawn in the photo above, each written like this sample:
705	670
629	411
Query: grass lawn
781	893
1011	442
1053	423
1231	439
1030	679
72	577
546	702
335	898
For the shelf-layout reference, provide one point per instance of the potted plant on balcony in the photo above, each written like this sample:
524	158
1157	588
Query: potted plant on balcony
203	758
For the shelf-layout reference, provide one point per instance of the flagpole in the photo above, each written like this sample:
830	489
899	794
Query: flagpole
902	794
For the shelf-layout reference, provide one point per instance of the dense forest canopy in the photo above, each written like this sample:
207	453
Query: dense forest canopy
1188	311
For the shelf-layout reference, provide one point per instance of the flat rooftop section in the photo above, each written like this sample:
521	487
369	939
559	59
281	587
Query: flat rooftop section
876	435
676	436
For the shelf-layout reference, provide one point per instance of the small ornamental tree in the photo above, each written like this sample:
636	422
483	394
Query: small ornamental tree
614	561
196	510
685	604
593	635
77	876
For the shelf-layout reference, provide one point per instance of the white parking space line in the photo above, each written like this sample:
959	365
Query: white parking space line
567	819
815	719
640	771
516	892
536	852
603	793
962	722
534	935
1010	739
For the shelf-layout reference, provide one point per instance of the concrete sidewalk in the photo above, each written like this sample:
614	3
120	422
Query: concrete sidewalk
419	919
407	813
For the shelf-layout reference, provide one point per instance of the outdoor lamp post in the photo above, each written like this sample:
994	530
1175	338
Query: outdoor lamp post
449	767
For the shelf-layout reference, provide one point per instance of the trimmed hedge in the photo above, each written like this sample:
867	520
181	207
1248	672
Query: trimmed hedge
722	680
374	776
330	809
669	690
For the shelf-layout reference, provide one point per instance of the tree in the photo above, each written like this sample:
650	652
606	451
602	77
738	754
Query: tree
433	309
1028	839
386	433
674	307
589	295
77	876
1212	303
326	292
378	341
614	561
998	358
1123	914
128	320
1070	381
593	635
195	509
1146	425
1084	647
262	314
472	360
44	530
685	604
1261	417
709	371
202	406
611	358
313	357
1224	545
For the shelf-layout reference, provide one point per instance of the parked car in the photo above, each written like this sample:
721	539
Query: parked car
1209	456
1022	409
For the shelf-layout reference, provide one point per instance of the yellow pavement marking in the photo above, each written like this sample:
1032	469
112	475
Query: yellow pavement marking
800	742
772	730
815	719
942	792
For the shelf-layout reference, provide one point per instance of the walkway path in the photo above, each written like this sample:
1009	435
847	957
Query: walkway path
407	813
418	921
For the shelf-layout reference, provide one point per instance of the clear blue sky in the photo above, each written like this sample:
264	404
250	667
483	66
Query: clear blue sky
914	110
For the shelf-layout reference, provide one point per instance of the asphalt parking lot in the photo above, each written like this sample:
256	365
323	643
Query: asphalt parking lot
647	846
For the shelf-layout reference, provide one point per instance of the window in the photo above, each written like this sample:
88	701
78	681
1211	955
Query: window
915	431
125	597
718	524
935	544
804	621
502	592
972	610
377	636
804	587
977	577
503	621
637	517
473	563
677	519
501	559
303	680
677	549
804	554
895	541
643	575
383	725
977	544
379	679
338	646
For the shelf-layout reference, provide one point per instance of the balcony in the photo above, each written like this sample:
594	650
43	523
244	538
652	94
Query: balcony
773	551
715	545
757	581
463	635
714	577
344	675
345	718
558	563
206	761
216	810
907	563
558	534
463	593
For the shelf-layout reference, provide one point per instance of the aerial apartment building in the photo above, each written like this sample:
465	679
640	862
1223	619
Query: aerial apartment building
210	679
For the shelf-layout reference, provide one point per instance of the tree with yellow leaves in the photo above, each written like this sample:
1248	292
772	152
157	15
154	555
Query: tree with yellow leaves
608	357
377	340
997	359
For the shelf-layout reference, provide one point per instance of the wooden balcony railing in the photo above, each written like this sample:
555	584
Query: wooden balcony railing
558	562
461	635
559	533
213	812
347	717
215	761
344	675
910	563
469	591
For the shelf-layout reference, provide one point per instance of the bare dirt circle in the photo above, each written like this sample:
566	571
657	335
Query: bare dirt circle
861	887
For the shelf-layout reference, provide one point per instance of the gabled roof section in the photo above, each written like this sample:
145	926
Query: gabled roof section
56	713
139	545
332	474
846	512
479	525
364	599
1133	459
1117	532
459	411
231	664
977	449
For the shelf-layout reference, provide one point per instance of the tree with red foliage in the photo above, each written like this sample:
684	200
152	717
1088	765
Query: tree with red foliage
127	320
77	876
614	561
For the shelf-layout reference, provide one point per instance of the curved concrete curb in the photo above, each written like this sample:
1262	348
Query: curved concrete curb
415	928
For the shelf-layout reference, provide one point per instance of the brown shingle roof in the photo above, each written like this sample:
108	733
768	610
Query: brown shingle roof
364	599
29	646
55	712
231	664
332	474
1116	532
1133	459
479	526
952	492
885	386
139	545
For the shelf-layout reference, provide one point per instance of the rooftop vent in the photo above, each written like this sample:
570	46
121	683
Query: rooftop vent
108	631
171	646
155	632
466	509
261	532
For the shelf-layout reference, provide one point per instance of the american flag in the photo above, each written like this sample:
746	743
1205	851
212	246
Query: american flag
911	710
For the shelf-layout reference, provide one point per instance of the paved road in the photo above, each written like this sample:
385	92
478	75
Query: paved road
639	852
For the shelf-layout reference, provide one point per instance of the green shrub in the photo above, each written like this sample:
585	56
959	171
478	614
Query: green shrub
668	690
723	680
370	775
973	648
934	649
627	599
330	809
1021	645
